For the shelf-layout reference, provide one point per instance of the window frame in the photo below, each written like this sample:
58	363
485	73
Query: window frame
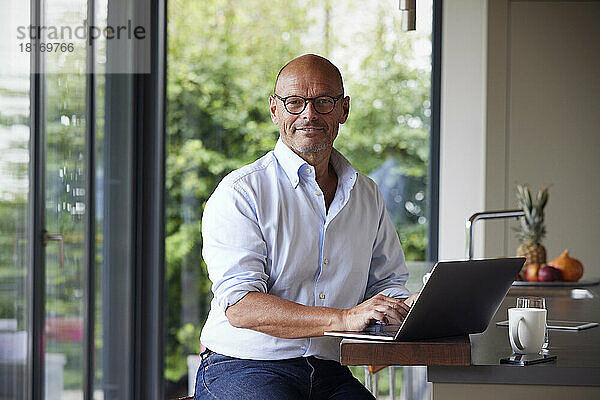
432	253
145	360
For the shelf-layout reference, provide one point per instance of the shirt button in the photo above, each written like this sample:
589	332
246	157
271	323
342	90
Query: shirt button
321	296
325	261
317	193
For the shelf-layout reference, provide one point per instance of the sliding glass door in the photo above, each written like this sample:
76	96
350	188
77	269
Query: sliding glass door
80	163
46	147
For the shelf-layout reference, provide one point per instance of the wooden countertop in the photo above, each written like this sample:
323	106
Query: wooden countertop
452	351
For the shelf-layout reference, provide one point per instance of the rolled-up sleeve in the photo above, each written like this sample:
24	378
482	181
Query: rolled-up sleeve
388	273
233	246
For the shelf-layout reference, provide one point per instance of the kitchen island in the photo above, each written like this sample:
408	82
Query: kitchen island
574	375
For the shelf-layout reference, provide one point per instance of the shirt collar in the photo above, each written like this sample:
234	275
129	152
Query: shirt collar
289	161
345	171
292	162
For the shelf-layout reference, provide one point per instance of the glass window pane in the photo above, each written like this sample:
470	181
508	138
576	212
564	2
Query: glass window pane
114	308
220	75
64	96
65	129
100	389
14	198
114	303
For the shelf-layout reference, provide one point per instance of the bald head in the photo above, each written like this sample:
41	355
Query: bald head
307	66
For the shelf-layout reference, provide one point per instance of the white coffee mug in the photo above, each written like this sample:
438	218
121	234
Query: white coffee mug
526	327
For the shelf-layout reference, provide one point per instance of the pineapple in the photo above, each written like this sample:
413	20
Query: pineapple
532	228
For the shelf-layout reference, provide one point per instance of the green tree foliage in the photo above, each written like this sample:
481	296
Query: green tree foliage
221	68
223	57
389	105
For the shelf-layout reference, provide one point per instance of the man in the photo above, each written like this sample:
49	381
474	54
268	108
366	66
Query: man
297	243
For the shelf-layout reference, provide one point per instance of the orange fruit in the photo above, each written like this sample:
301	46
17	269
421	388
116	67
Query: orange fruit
570	268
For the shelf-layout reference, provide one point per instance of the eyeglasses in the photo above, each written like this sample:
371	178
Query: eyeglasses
297	104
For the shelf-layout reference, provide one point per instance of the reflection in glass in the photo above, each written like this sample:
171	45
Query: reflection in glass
14	197
65	131
101	390
63	90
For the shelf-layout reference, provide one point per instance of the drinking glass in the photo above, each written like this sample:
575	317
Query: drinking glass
534	302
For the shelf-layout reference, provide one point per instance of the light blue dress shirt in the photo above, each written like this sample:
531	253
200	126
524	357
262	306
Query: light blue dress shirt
266	229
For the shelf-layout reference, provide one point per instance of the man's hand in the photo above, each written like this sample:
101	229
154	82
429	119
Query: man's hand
378	308
409	301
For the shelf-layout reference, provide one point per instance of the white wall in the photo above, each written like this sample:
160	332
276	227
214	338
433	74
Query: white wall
552	133
462	139
521	104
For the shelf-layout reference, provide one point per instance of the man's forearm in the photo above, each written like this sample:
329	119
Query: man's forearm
283	318
275	316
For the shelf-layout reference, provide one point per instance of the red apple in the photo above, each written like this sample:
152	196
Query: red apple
532	272
547	273
557	273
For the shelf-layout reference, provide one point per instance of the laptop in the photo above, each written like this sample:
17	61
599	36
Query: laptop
460	298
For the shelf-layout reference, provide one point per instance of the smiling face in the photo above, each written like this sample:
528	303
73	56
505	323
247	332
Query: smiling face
309	76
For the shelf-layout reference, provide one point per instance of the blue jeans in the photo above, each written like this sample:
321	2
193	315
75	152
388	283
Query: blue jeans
223	377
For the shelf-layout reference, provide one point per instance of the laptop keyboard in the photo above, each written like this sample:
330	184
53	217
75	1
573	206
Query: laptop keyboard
382	330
